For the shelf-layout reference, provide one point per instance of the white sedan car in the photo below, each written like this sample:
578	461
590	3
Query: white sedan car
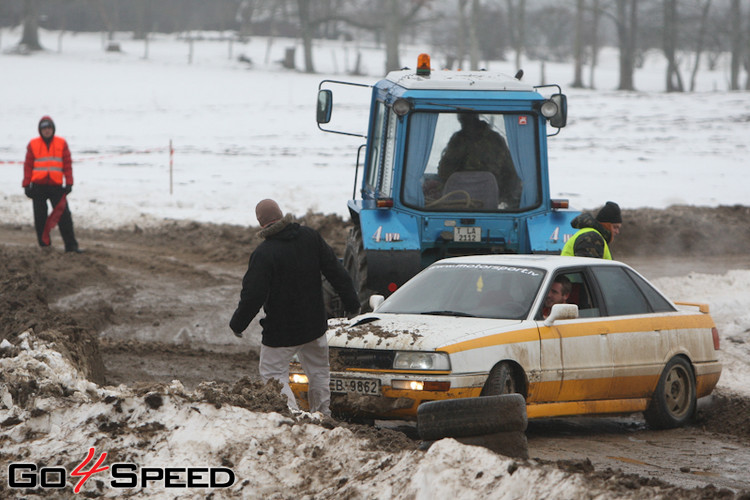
483	325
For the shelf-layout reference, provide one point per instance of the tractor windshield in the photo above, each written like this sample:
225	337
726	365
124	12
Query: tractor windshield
471	162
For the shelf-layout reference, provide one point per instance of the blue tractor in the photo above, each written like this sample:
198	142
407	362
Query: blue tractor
455	164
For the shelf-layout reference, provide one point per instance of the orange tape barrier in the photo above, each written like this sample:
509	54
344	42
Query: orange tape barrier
78	159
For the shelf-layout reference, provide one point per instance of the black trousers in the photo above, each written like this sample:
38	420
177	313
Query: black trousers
41	194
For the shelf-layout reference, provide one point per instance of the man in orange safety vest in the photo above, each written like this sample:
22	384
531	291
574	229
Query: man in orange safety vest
48	176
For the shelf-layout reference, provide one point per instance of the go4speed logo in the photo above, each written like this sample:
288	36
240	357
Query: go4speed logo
121	475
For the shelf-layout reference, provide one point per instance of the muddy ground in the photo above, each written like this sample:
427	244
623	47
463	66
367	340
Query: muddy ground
148	305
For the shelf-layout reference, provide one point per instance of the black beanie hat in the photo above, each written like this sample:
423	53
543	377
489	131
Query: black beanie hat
610	212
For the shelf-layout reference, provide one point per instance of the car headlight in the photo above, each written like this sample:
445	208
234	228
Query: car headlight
421	361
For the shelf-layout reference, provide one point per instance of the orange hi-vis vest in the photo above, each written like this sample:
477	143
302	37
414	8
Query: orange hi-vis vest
48	161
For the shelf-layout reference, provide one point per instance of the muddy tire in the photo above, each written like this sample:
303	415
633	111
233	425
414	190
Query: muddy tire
467	417
355	262
674	400
332	301
502	380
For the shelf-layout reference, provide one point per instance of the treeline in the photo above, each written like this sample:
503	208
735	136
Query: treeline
463	33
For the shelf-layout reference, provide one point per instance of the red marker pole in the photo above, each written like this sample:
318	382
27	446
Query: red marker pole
171	163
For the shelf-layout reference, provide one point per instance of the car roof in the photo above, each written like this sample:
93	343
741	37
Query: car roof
546	262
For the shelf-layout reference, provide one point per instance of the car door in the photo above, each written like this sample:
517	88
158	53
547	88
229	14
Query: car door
638	341
576	358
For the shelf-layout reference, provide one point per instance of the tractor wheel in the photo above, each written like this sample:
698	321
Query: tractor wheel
466	417
331	299
355	262
674	400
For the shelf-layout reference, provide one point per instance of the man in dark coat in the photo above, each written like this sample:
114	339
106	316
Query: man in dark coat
476	147
594	234
284	277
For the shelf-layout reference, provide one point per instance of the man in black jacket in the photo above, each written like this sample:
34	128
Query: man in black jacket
284	277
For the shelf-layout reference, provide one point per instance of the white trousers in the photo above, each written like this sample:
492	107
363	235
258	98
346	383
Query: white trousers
274	363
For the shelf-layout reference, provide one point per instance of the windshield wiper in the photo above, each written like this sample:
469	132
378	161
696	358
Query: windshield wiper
450	313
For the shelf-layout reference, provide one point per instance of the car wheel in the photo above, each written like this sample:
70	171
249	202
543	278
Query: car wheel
501	380
674	401
466	417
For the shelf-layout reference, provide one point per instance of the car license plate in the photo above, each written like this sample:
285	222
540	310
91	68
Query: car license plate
467	234
356	385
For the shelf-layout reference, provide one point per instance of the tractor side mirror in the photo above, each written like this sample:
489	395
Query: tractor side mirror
561	117
325	105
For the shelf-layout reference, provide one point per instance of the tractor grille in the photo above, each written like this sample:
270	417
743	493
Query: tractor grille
345	357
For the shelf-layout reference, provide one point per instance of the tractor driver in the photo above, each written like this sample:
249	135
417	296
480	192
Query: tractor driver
476	147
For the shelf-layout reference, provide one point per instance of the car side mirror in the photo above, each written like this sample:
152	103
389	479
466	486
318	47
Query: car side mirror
561	311
325	106
375	301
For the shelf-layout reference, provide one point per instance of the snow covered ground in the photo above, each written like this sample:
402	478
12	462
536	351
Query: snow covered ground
244	133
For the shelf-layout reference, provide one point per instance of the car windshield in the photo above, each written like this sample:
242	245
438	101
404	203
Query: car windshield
471	290
471	162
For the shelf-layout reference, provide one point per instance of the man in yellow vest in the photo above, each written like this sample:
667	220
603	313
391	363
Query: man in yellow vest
47	167
594	234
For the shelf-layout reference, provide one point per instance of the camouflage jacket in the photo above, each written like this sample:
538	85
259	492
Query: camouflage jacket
484	150
590	244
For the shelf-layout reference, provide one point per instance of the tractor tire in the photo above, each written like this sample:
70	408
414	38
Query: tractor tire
674	400
468	417
331	299
355	262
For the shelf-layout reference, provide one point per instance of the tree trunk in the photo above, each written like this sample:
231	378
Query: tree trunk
674	79
30	36
473	40
462	33
594	42
737	44
516	15
306	28
578	46
699	43
626	30
392	32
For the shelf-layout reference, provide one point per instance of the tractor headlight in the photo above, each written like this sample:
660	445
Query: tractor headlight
405	360
549	109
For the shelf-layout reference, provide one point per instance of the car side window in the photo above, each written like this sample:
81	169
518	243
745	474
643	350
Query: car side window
580	294
621	295
657	301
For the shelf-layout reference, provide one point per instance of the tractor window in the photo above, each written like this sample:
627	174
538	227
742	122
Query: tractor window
471	162
376	148
382	150
386	181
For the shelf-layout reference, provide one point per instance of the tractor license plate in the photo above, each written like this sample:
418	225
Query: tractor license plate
467	234
370	387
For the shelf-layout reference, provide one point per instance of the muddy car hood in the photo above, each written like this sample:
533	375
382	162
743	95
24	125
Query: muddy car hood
411	331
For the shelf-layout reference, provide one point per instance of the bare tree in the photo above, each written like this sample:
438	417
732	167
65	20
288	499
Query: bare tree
700	42
578	46
516	27
627	26
669	33
30	35
596	17
737	44
307	29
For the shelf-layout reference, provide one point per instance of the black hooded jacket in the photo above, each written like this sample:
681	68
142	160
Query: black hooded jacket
283	277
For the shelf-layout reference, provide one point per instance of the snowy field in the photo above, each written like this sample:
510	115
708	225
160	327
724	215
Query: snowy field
244	133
